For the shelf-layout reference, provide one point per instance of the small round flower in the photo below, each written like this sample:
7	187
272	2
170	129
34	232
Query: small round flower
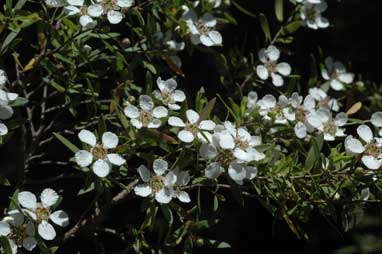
168	94
310	13
182	179
371	150
324	123
158	185
324	101
41	212
147	115
79	7
6	98
194	127
202	30
112	9
270	67
335	73
100	153
376	120
252	100
18	232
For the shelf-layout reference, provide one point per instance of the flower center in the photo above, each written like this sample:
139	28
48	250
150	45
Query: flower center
42	213
330	128
157	183
99	152
241	143
109	5
145	117
225	157
271	66
311	13
373	149
192	128
202	28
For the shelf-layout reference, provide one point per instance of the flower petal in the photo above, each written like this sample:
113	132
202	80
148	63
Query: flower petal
115	159
186	136
95	10
146	103
353	145
208	151
213	170
192	116
365	133
5	229
183	197
277	80
163	196
87	137
114	17
144	173
46	231
176	121
207	125
60	218
101	168
125	3
376	119
131	111
371	162
262	72
110	140
49	197
83	158
27	199
160	112
284	69
143	190
160	166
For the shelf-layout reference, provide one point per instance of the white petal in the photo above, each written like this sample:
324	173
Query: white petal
341	119
101	168
76	2
60	218
208	151
136	123
365	133
170	179
144	173
251	172
186	136
87	22
154	124
5	229
146	103
207	125
176	121
353	145
262	72
163	196
29	243
131	111
376	119
27	199
3	129
160	166
242	155
206	40
336	85
114	17
273	53
143	190
347	78
46	231
277	80
71	10
160	112
109	140
213	170
183	197
49	197
216	37
115	159
192	116
208	20
236	172
178	95
300	130
371	162
95	10
226	141
284	69
16	218
125	3
83	158
87	137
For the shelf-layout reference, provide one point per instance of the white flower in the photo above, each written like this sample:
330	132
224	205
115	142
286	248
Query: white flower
158	185
270	67
55	3
79	7
371	150
112	8
6	98
302	109
193	127
18	232
182	179
147	115
310	13
3	129
324	101
168	94
335	73
3	78
99	153
202	29
41	212
232	148
376	120
280	109
324	123
252	100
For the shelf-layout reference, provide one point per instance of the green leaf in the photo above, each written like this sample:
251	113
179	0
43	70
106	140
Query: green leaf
150	67
4	181
20	4
279	9
66	142
291	27
10	37
314	152
206	112
242	9
5	245
265	26
167	213
151	213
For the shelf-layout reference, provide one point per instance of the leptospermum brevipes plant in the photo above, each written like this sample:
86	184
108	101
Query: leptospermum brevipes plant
94	93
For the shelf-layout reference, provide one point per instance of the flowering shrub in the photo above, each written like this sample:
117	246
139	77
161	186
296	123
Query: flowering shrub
94	101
